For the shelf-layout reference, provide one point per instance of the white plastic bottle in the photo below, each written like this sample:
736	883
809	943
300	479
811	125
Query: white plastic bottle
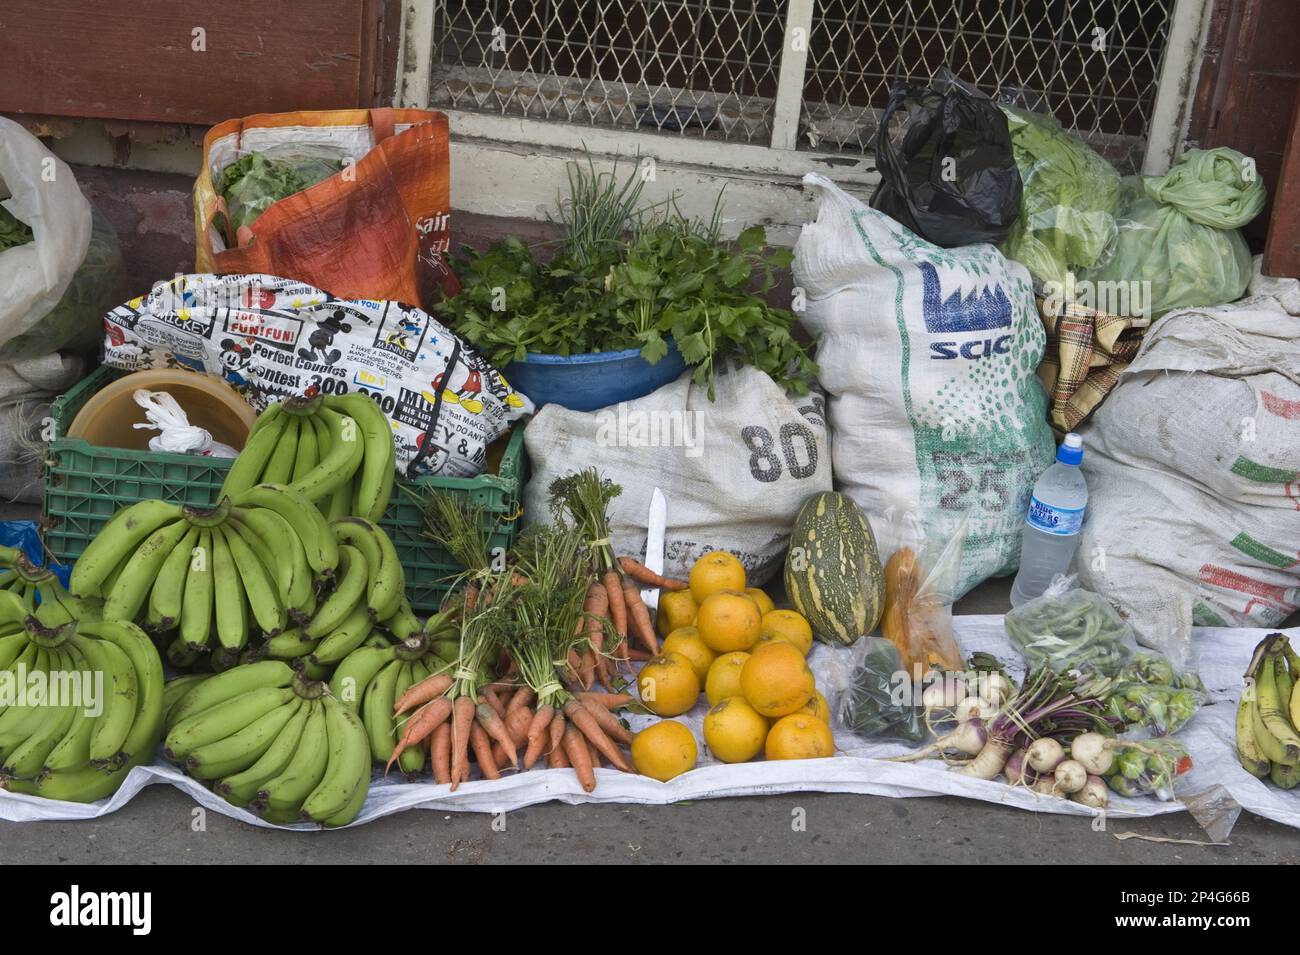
1052	526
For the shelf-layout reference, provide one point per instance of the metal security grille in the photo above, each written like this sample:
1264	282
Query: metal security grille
712	68
701	68
1094	64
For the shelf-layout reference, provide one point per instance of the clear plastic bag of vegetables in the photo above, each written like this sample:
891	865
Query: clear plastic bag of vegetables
879	699
1149	694
257	180
1147	767
1069	628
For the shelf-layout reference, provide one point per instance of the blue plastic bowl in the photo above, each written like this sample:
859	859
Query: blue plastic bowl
588	382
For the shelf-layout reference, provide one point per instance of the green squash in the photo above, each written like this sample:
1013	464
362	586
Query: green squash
832	572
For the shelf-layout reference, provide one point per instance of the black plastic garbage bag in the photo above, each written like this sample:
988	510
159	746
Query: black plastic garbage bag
947	171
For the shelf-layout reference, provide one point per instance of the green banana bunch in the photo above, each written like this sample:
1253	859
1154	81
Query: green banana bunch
336	450
370	679
20	581
93	702
1268	745
213	577
266	736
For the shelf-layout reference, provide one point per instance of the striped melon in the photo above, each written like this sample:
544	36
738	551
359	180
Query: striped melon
833	573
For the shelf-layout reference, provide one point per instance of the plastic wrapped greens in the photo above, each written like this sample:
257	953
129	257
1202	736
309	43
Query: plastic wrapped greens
252	183
872	705
1150	766
1178	231
1068	211
1070	629
1149	694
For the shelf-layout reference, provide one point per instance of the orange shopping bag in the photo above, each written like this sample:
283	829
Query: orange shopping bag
379	229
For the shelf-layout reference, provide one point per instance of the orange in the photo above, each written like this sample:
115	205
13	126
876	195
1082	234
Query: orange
799	736
664	750
764	602
687	642
723	679
817	706
788	626
776	679
668	684
734	731
728	621
716	570
676	610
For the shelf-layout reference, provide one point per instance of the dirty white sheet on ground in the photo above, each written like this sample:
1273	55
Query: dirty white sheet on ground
1215	790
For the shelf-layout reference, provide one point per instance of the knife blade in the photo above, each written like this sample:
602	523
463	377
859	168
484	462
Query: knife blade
656	523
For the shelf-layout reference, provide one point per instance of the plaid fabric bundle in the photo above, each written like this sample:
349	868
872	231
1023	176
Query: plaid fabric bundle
1086	352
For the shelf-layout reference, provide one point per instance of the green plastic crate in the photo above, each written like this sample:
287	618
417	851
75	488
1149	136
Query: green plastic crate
85	485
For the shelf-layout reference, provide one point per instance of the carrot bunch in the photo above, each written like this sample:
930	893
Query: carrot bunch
584	498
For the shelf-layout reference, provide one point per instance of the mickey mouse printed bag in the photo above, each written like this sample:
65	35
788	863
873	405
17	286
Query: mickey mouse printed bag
273	338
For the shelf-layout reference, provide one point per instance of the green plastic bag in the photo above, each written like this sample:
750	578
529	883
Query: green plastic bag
1070	201
1179	231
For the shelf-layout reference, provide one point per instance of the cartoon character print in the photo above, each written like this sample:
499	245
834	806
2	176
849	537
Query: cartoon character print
466	394
437	457
235	359
322	337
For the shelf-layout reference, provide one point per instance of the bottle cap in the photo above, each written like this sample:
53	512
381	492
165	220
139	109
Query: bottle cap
1071	449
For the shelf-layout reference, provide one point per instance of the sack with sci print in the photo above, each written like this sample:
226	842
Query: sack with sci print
734	470
927	356
272	338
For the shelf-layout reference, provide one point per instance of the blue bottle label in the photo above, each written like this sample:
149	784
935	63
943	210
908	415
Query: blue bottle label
1061	521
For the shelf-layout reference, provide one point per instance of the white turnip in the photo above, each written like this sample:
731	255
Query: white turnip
994	688
1017	773
1045	786
970	738
992	759
1045	755
1094	793
1093	752
1070	777
975	707
944	693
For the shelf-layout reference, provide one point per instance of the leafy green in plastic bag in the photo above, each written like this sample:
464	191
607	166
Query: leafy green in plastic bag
13	232
1178	231
253	182
1071	197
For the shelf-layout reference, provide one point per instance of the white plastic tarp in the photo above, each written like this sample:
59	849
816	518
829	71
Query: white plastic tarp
1215	790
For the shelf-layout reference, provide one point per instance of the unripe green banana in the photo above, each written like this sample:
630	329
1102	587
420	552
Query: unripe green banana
354	673
377	711
121	697
1272	715
166	597
175	689
262	441
352	580
115	543
289	645
337	466
259	585
351	810
243	748
279	468
241	788
347	768
226	686
387	581
294	575
228	595
308	455
285	793
224	719
349	635
197	606
305	518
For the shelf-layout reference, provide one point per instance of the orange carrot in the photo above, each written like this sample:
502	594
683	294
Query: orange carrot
555	743
537	734
617	605
462	710
523	697
647	577
595	755
517	722
581	717
609	722
494	701
639	655
440	753
587	669
497	729
423	692
575	747
482	743
639	616
424	721
611	701
574	663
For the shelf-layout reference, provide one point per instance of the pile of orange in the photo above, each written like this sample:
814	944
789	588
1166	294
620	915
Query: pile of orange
729	641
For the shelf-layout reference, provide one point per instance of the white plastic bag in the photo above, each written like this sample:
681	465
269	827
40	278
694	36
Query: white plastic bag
43	194
175	433
928	357
734	470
